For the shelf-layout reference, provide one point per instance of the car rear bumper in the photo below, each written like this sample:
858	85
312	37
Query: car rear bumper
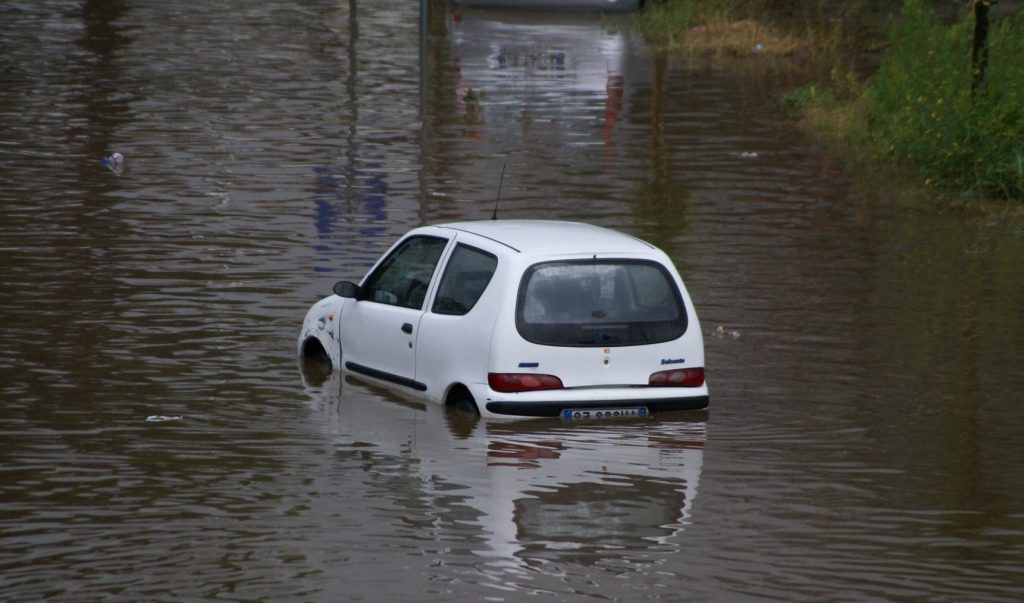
554	408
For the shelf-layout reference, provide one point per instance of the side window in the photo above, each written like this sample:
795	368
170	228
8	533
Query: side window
402	279
468	272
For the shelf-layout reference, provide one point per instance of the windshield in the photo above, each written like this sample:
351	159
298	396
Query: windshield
599	303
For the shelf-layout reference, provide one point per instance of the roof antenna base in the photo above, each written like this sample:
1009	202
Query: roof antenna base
494	215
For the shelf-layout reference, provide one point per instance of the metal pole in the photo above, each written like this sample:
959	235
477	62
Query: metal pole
979	54
424	12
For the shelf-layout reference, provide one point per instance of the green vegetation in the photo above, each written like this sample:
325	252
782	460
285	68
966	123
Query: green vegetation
919	109
715	27
917	112
666	24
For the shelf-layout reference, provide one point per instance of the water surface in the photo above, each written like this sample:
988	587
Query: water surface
863	440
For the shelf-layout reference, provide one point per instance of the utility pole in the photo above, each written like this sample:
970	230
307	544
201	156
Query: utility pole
979	53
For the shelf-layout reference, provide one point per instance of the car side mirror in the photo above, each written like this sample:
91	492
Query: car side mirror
346	289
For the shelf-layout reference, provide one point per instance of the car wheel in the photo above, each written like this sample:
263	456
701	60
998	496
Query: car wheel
313	351
462	402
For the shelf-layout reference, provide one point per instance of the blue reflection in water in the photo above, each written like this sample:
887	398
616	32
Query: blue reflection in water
368	199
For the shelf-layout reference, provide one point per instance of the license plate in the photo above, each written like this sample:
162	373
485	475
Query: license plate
589	414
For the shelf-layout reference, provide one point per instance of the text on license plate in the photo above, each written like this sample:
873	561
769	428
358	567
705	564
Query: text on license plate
584	414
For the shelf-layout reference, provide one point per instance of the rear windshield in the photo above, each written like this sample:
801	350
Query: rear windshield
596	303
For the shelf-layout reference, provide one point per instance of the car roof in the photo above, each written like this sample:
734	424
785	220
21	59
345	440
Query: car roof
542	237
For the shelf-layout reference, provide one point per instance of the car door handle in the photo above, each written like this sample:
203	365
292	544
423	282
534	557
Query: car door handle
407	328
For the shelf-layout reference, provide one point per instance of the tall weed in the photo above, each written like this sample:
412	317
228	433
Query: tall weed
665	23
921	110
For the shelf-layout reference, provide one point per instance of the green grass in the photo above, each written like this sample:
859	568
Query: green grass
742	28
921	108
665	24
713	27
919	111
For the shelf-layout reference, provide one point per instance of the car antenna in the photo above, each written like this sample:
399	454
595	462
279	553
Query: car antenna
494	216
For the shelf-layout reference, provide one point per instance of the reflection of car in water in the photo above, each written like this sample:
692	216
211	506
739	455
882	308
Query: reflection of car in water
536	490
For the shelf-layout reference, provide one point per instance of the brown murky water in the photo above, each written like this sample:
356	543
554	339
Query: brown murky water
865	439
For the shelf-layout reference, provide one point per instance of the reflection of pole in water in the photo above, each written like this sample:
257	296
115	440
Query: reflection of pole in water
424	12
613	104
363	186
658	147
350	88
424	22
661	201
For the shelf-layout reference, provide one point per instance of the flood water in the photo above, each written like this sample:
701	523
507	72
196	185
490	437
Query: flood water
865	439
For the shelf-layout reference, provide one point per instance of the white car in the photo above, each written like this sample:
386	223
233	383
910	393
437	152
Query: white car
519	318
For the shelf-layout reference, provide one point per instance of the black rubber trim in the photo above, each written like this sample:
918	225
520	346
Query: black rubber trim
385	376
484	237
554	409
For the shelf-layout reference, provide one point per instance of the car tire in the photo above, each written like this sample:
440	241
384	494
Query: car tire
464	404
314	352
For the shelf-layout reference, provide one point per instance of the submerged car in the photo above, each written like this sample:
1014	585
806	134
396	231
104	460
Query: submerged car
519	318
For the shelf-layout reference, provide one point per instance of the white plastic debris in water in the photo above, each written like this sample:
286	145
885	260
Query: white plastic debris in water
162	418
721	332
114	163
749	154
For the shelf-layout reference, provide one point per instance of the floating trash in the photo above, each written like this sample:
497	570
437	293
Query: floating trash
749	154
114	163
721	333
162	418
758	48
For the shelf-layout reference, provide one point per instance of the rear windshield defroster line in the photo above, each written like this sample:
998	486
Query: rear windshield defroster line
595	303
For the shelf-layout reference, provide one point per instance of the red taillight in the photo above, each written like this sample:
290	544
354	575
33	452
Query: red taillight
522	382
687	377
